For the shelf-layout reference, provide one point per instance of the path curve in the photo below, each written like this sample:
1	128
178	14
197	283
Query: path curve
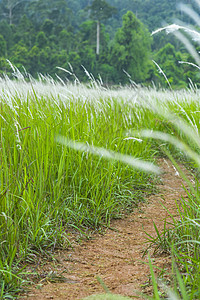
116	256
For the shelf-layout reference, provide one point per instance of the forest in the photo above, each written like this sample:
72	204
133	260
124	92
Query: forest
109	40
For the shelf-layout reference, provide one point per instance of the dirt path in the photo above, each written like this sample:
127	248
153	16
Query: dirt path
116	257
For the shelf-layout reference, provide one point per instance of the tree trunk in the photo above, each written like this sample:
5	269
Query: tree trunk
10	16
98	37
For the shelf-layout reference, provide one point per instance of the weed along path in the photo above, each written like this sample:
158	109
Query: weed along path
117	256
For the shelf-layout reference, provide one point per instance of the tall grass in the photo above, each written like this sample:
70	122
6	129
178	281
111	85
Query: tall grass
183	239
47	188
176	125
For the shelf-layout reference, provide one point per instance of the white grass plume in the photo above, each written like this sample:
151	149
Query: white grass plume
109	155
194	34
175	27
190	12
172	140
163	73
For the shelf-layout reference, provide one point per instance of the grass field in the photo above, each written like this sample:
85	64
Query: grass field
50	185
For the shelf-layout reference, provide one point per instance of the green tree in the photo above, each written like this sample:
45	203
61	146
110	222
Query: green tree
46	60
75	61
25	32
86	47
4	66
66	38
33	58
7	32
88	57
55	10
100	11
62	59
20	56
131	50
10	6
47	26
168	60
87	32
3	46
41	39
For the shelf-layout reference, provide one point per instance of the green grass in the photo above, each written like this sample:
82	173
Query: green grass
48	186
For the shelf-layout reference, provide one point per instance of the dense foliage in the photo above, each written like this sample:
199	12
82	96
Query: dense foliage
45	34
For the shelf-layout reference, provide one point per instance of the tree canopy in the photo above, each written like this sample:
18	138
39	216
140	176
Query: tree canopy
131	49
100	10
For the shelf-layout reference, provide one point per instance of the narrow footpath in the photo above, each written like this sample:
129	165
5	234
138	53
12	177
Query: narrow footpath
117	256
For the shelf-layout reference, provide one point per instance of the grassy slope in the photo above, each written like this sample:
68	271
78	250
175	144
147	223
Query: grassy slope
47	188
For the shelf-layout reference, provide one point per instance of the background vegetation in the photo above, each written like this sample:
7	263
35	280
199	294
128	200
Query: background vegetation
45	34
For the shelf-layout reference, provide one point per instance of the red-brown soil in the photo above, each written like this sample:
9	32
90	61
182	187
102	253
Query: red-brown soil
116	256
